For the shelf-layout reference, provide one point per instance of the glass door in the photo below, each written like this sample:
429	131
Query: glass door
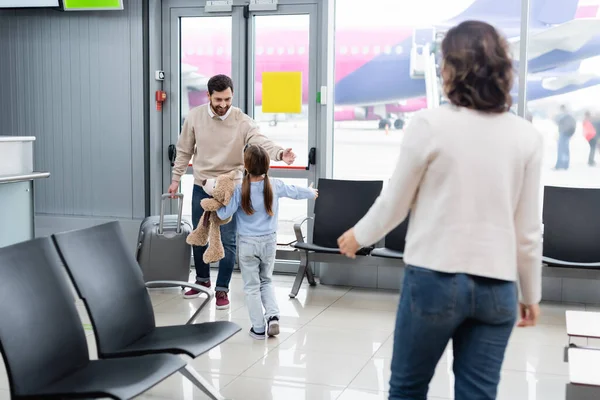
247	45
283	41
197	44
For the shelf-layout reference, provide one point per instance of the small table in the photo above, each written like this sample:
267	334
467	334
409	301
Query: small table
584	374
583	324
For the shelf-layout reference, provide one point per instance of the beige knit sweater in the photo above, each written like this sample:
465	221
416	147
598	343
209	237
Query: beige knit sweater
216	144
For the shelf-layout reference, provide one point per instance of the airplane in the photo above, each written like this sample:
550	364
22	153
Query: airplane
373	67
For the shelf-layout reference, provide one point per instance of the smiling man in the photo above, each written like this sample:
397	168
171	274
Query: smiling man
215	134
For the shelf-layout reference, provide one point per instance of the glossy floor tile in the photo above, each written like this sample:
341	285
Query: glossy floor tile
264	389
336	343
308	366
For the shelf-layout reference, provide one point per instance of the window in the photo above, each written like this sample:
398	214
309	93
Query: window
375	95
199	36
570	81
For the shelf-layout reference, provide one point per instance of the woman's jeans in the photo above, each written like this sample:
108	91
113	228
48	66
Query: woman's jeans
477	313
257	260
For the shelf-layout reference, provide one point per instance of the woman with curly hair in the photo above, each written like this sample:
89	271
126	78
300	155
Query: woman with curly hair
469	172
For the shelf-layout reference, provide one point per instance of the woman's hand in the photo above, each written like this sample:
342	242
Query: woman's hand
348	244
530	315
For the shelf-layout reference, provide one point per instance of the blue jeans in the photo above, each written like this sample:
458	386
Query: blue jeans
228	237
563	157
257	260
477	313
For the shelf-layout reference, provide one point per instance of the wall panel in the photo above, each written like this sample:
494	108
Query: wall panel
75	81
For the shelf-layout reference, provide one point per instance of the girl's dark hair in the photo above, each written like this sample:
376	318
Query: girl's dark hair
256	162
477	68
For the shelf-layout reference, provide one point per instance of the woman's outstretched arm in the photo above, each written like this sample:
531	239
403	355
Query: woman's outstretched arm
393	205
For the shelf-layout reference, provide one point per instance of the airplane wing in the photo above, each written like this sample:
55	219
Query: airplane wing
506	14
554	86
570	37
557	71
561	82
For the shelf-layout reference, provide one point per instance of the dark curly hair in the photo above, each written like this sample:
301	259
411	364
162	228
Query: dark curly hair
477	68
219	83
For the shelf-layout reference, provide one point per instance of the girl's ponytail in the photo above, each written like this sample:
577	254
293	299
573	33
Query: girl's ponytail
246	200
268	196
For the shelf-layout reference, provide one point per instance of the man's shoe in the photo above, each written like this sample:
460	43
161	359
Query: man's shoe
222	300
193	293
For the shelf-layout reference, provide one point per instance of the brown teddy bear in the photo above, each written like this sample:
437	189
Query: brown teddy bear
208	230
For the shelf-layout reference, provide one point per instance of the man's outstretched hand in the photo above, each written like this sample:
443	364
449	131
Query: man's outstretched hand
288	156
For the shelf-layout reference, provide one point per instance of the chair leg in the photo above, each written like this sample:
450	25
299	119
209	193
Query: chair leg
310	275
302	268
193	318
189	372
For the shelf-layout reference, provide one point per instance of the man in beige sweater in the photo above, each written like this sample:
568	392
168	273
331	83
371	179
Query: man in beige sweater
215	134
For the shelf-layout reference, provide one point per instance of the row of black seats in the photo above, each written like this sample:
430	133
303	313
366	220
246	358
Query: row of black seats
571	219
341	204
572	227
42	338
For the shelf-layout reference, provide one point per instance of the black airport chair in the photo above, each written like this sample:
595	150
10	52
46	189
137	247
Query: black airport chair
395	242
341	204
109	281
571	219
43	341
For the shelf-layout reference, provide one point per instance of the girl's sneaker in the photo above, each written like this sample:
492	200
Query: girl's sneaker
273	326
255	335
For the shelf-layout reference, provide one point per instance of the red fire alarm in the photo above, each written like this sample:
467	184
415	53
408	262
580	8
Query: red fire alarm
161	96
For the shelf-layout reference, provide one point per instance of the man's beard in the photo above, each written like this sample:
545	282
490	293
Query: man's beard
220	111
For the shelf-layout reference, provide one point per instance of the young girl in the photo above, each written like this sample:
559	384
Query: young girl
257	229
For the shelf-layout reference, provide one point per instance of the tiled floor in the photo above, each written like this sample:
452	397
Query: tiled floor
336	344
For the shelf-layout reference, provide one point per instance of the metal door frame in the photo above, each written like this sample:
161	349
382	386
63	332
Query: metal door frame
279	171
172	68
320	119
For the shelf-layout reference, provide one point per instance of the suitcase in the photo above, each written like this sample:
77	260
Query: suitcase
162	251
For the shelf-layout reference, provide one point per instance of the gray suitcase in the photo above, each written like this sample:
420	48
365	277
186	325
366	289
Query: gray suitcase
162	251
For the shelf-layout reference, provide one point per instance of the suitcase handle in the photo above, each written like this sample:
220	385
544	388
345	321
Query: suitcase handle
164	197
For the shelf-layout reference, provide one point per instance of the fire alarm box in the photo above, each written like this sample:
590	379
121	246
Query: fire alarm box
161	96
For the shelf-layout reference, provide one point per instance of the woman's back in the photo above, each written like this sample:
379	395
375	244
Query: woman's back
470	174
465	214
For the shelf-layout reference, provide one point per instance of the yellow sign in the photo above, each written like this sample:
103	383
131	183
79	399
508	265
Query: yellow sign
282	92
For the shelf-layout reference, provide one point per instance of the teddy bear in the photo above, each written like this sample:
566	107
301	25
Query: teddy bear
208	230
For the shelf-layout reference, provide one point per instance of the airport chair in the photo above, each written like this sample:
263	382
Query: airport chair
43	341
341	204
109	281
394	243
571	227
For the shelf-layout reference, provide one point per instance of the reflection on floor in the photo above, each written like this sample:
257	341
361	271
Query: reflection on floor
336	343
